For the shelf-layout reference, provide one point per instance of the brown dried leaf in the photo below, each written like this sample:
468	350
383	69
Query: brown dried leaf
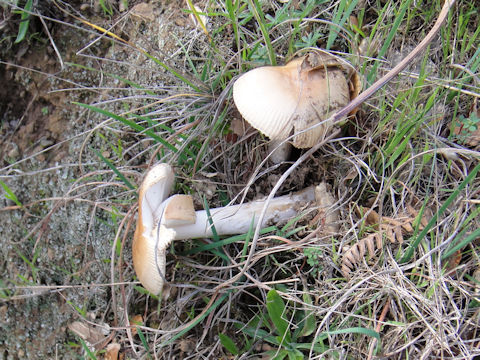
354	252
391	221
346	271
378	240
414	213
389	234
398	234
349	259
91	334
393	229
370	245
453	261
186	346
112	351
361	248
239	126
372	219
136	320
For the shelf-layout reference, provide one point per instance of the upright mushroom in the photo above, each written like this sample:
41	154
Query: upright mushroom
161	221
281	101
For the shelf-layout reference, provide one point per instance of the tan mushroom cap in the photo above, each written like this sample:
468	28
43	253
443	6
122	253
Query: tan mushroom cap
280	101
149	243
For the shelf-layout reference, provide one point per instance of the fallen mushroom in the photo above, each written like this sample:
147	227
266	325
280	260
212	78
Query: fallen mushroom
281	101
175	219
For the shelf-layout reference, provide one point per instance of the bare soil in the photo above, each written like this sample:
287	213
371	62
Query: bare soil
54	240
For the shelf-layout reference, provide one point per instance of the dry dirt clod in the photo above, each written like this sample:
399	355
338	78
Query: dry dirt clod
144	11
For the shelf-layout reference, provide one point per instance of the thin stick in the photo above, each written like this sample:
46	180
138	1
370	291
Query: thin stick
378	328
365	95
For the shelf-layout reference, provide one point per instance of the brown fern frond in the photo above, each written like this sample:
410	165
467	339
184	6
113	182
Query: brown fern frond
388	228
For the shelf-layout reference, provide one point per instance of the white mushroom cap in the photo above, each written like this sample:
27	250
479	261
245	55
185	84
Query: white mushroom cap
280	101
150	241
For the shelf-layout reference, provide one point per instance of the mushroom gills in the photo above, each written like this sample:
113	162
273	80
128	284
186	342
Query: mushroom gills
295	98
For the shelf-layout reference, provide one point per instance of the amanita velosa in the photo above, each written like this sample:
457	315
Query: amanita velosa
281	101
163	220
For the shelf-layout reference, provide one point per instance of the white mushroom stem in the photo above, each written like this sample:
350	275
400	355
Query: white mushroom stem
237	219
279	150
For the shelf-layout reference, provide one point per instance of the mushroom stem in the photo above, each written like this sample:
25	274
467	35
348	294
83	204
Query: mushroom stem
279	150
237	219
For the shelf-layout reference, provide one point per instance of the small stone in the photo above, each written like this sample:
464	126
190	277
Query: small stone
14	152
143	11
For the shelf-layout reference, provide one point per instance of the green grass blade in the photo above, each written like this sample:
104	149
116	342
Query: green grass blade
474	235
223	242
232	15
276	311
89	352
197	321
138	128
386	43
215	236
24	22
113	76
409	252
355	330
340	17
260	17
256	334
309	325
115	170
228	344
9	194
172	71
144	341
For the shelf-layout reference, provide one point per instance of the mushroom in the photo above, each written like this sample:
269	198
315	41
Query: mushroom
281	101
160	222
